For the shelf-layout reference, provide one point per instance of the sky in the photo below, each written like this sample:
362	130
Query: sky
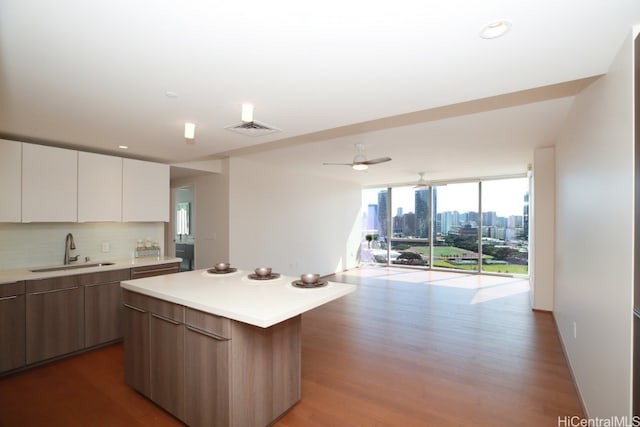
505	197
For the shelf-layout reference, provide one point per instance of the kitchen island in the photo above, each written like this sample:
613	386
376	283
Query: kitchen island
218	349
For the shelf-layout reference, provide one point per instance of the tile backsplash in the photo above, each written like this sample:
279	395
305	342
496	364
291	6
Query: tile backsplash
42	244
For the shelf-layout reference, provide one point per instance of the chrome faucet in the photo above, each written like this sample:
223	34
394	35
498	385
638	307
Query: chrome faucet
69	244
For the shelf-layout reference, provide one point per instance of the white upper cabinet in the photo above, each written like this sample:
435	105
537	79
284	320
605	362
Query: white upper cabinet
145	191
49	184
10	181
99	187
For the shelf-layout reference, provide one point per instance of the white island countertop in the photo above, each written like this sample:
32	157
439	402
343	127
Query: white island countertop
235	296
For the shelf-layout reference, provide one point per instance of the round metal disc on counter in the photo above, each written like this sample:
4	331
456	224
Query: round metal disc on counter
227	271
301	284
271	276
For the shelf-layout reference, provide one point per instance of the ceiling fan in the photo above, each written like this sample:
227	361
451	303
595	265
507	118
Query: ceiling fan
421	182
360	161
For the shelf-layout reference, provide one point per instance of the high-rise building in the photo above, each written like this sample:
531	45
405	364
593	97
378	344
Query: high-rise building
471	218
422	212
382	213
434	201
372	217
489	219
448	220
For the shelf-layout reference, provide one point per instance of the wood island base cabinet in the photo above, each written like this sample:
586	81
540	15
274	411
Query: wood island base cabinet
209	370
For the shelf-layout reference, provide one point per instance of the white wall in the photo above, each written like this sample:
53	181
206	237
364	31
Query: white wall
594	239
293	223
40	244
542	220
210	216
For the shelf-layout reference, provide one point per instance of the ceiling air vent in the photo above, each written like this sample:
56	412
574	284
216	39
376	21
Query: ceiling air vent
252	128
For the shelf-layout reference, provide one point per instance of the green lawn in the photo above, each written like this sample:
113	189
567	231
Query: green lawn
439	251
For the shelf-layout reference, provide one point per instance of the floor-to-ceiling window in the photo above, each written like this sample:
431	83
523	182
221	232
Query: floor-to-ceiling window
478	226
375	223
456	226
505	226
410	225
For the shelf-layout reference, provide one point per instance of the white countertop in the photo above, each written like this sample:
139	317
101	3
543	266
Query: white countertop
10	276
257	302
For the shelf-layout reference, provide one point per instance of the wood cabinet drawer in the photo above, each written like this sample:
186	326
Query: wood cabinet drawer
11	289
84	279
136	300
154	270
165	309
53	284
168	310
102	277
210	323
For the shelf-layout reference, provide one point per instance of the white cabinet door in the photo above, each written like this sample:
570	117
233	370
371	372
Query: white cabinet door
49	184
145	191
99	187
10	181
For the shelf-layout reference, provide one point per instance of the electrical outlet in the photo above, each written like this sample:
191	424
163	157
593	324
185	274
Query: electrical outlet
106	247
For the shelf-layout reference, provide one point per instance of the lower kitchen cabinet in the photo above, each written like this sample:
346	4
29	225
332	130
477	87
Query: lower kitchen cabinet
103	306
49	318
264	371
12	326
54	317
136	342
153	347
166	342
209	370
207	351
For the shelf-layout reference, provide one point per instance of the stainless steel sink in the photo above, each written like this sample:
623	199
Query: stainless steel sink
71	267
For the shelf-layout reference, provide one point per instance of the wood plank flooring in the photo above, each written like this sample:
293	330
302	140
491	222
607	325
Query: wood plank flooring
408	348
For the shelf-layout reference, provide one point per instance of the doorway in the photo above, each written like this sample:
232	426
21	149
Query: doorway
183	231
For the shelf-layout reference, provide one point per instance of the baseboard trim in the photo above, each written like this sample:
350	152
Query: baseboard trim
566	358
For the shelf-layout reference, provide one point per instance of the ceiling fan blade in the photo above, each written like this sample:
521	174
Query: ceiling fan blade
376	161
338	164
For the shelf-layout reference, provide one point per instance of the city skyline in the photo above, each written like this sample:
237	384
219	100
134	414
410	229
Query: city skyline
462	197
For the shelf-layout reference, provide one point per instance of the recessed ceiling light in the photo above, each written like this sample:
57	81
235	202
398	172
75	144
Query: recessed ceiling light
123	147
170	94
495	29
189	130
247	113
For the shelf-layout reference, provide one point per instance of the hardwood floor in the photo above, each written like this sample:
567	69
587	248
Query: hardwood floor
408	348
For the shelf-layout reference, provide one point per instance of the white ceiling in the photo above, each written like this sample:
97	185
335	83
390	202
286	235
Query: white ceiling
408	79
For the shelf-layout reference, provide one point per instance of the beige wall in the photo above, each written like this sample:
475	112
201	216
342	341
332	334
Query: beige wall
291	222
594	239
542	224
